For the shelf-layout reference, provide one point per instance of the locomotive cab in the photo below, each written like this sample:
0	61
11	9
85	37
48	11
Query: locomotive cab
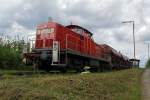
40	56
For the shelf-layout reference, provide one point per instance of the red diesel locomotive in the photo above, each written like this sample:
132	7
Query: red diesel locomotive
72	47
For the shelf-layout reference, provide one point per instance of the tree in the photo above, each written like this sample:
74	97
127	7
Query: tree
148	64
10	53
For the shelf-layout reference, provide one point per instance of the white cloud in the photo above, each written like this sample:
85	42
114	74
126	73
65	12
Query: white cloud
102	17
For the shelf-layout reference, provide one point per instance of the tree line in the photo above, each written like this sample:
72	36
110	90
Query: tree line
11	51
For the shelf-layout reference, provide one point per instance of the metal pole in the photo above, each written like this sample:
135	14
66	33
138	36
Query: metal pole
134	39
148	50
133	35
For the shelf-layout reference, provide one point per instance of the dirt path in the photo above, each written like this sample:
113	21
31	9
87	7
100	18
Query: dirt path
146	85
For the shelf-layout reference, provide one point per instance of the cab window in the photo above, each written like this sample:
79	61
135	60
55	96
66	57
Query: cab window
77	30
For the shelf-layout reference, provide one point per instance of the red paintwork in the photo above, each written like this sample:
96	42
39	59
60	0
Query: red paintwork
46	40
74	47
81	43
76	42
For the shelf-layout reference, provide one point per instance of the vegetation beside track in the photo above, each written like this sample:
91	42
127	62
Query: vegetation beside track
148	64
10	54
118	85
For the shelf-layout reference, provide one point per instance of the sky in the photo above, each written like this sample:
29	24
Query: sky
102	17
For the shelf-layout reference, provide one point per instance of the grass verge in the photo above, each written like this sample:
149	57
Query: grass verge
118	85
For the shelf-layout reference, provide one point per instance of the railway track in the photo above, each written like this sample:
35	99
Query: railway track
21	73
29	73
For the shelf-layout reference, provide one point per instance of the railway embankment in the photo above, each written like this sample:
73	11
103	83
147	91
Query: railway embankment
116	85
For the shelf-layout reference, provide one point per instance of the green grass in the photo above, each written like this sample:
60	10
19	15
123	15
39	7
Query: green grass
119	85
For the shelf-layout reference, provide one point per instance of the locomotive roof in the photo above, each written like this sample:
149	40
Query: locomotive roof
76	26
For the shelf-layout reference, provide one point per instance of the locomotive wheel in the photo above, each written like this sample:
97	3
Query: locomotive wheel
43	65
46	66
79	70
63	70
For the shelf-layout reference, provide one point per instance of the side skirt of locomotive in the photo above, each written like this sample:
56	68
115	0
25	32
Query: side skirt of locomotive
68	60
79	61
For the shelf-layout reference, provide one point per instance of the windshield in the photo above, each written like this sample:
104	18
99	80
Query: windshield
79	31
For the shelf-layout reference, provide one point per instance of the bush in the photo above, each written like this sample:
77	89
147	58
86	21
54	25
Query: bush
9	58
10	54
148	64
